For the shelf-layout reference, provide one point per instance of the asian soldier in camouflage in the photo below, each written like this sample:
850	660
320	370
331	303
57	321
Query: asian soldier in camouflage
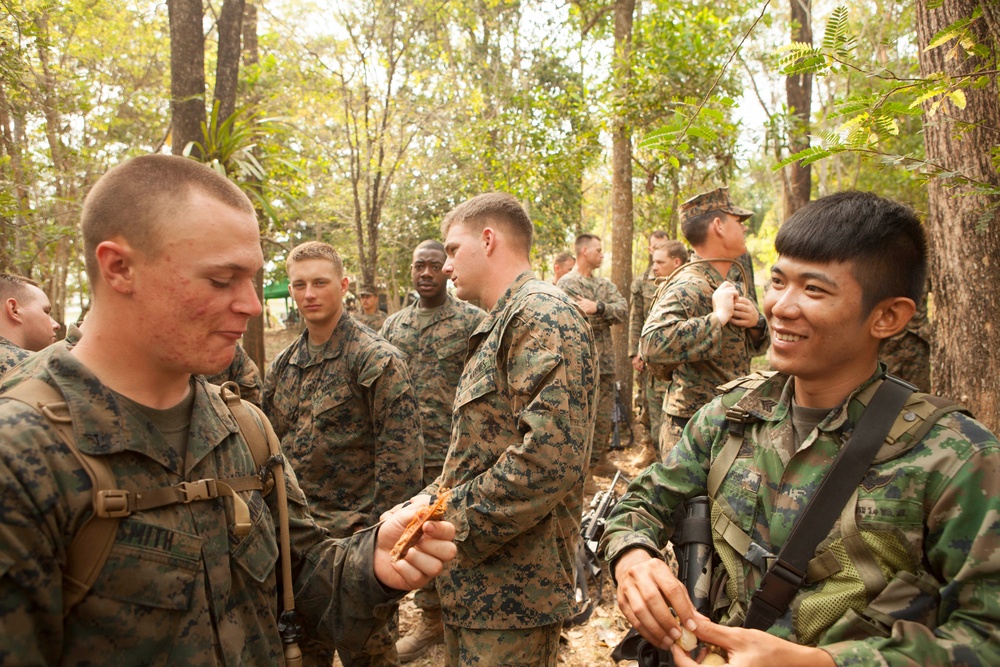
910	573
341	401
523	418
433	335
171	248
25	323
370	314
604	305
704	324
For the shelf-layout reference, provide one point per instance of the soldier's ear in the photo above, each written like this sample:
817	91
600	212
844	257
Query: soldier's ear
116	262
891	316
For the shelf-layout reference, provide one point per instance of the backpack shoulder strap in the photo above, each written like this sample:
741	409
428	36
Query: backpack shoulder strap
255	436
91	545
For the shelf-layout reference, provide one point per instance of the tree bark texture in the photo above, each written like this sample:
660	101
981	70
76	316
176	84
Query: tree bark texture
187	72
964	277
798	95
621	190
227	67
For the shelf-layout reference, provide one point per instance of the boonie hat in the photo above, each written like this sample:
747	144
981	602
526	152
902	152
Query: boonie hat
715	200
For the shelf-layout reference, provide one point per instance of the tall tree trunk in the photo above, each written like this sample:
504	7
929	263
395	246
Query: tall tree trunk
187	73
621	189
798	95
964	279
253	339
227	68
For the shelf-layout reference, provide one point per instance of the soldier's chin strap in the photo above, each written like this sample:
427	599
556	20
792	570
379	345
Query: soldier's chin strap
788	572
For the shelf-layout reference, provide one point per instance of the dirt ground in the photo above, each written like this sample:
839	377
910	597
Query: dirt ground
587	645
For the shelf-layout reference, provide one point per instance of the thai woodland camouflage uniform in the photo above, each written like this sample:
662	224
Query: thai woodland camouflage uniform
615	311
179	587
924	519
524	414
651	389
348	421
679	330
434	344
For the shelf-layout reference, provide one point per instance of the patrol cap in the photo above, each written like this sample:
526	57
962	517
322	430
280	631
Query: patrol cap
366	289
714	200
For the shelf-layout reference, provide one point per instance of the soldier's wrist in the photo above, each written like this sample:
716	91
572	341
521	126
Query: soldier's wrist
601	307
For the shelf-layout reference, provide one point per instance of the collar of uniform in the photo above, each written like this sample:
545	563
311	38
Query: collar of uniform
443	312
7	343
503	302
102	425
331	349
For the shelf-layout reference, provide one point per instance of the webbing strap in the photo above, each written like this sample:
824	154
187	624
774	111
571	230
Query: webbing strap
784	578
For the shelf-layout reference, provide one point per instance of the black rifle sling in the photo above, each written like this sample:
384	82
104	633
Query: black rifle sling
784	578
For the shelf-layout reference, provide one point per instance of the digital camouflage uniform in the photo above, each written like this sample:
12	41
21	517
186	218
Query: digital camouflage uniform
348	422
434	343
179	587
243	371
908	353
615	311
651	390
523	420
10	355
929	510
374	321
681	330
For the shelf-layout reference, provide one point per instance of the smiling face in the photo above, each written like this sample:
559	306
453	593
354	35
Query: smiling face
429	279
318	290
197	294
818	333
467	262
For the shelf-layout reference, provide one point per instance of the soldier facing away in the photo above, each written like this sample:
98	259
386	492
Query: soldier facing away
704	325
433	335
523	416
341	401
171	249
25	323
909	572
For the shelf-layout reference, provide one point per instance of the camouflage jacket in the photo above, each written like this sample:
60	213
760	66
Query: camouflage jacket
681	330
179	587
10	355
373	321
615	311
435	347
243	371
921	541
524	419
643	293
348	422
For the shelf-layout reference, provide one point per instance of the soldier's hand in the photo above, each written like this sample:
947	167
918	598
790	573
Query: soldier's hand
647	589
724	302
753	648
422	562
422	499
638	364
745	313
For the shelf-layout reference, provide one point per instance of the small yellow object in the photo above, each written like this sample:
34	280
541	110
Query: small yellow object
687	640
713	659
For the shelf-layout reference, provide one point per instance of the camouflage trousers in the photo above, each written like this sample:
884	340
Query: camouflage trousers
378	651
654	391
523	647
602	428
670	435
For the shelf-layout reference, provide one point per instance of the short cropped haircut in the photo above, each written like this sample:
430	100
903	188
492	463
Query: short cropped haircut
658	235
431	244
498	208
675	249
882	239
316	250
14	287
695	229
564	257
136	199
582	240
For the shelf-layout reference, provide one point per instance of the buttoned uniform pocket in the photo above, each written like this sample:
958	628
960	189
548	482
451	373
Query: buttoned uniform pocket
475	389
333	409
257	553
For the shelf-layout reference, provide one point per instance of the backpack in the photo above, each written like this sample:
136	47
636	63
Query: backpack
90	547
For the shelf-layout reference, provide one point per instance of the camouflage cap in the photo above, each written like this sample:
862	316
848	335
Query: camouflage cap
366	289
715	200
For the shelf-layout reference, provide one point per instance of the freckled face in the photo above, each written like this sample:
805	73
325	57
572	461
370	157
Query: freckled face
197	294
